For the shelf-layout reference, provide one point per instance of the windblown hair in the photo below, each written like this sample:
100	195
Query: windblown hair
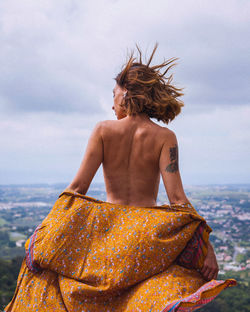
148	90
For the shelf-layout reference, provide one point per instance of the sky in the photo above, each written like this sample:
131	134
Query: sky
58	59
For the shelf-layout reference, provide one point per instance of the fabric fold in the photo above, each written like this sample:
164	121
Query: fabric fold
100	256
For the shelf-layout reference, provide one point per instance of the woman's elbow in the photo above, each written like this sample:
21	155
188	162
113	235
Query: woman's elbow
177	198
77	188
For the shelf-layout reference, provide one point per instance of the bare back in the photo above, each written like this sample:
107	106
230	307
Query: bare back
134	152
131	161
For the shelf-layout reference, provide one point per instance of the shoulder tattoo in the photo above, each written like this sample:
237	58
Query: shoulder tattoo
173	153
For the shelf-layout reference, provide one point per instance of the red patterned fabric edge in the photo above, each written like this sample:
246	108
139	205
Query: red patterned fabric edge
193	253
202	296
29	252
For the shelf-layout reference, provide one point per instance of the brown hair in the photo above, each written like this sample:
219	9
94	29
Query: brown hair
149	91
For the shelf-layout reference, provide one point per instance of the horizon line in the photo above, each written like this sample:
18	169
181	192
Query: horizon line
103	183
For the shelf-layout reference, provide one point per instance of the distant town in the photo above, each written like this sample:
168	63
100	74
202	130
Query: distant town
226	209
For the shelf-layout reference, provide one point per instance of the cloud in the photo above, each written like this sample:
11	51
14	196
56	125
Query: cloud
48	147
44	147
61	55
58	60
214	146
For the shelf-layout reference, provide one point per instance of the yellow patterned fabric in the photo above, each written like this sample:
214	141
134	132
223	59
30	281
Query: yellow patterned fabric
90	255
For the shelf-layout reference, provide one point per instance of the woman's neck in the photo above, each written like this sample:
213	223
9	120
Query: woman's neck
138	117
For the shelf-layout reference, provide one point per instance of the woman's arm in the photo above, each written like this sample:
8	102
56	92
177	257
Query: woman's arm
169	168
91	161
210	267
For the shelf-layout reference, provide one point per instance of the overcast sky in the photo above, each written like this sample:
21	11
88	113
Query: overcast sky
58	59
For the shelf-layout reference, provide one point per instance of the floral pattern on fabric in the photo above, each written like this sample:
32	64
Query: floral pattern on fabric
90	255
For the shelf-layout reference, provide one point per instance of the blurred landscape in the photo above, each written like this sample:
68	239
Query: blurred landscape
225	207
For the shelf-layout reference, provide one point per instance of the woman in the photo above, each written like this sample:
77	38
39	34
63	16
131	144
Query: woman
134	150
126	254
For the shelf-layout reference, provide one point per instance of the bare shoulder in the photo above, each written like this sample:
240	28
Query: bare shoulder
167	136
161	134
104	124
108	125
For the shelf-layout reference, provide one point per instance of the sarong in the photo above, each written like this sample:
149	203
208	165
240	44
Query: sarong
90	255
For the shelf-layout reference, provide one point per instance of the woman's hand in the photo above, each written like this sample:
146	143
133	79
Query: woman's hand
210	267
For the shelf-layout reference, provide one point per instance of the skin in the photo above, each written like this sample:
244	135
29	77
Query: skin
134	153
